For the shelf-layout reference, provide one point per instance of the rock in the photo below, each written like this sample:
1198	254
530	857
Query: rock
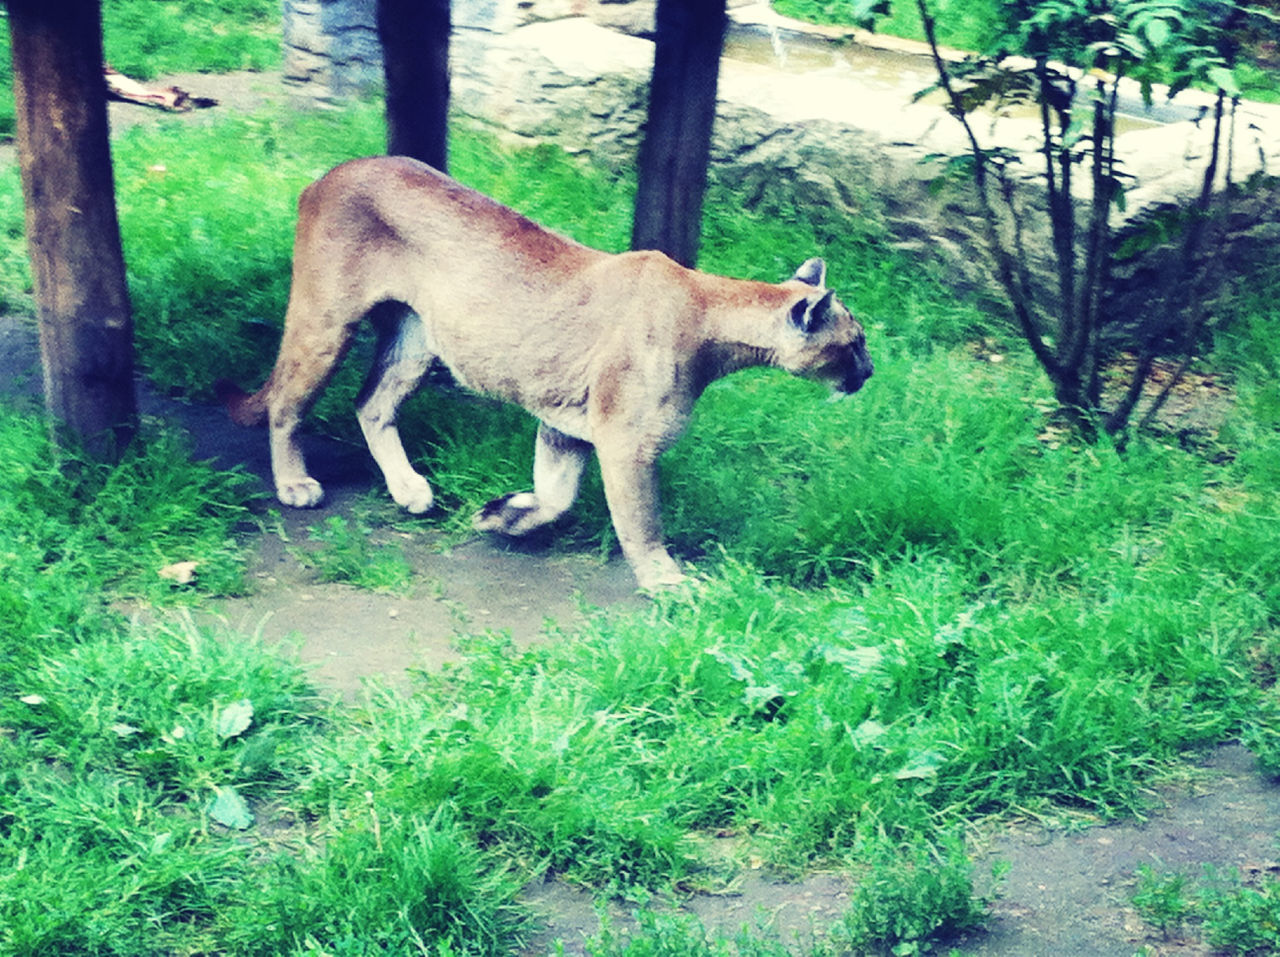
332	44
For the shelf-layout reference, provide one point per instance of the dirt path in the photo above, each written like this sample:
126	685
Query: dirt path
1066	894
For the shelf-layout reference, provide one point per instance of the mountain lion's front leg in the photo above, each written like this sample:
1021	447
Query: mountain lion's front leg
631	489
401	361
558	464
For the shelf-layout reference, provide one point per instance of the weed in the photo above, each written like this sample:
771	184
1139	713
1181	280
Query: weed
802	721
1232	915
346	554
664	934
1241	918
909	899
112	754
1261	735
391	883
210	716
1162	899
146	40
77	534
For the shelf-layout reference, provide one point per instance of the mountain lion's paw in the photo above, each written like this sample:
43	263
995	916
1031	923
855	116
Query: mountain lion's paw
305	492
413	494
513	514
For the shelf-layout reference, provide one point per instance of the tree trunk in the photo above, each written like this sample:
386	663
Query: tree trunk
415	60
82	300
677	141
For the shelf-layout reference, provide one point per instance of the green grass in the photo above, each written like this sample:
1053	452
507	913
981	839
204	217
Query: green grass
144	39
117	765
804	721
75	528
962	24
914	614
341	551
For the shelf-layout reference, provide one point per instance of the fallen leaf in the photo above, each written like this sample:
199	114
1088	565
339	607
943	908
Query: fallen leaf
234	719
229	809
180	572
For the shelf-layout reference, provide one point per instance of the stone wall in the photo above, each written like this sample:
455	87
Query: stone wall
332	45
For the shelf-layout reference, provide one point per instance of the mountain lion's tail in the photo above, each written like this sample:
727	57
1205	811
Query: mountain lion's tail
244	409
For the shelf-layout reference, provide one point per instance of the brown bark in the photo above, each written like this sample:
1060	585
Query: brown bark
415	61
677	141
73	237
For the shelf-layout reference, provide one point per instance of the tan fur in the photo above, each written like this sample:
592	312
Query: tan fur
608	351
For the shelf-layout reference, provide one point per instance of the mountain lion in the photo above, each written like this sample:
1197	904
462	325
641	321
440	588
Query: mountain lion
609	351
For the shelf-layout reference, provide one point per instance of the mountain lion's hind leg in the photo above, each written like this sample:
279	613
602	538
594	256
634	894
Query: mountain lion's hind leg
309	352
401	361
558	463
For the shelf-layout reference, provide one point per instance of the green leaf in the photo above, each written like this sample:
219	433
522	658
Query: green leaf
229	809
1224	80
858	662
865	12
1158	32
921	764
234	719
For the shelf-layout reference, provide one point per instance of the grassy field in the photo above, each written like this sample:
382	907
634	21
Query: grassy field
918	611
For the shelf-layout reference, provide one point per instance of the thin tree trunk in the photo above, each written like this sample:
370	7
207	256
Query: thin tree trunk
86	326
677	141
1010	270
415	60
1194	308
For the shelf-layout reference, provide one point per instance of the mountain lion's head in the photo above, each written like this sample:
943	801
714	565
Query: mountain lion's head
822	340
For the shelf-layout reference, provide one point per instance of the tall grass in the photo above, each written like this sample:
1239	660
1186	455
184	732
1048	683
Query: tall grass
146	769
146	40
114	765
78	534
807	722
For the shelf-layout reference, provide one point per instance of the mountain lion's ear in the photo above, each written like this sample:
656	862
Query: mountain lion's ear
813	271
810	315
